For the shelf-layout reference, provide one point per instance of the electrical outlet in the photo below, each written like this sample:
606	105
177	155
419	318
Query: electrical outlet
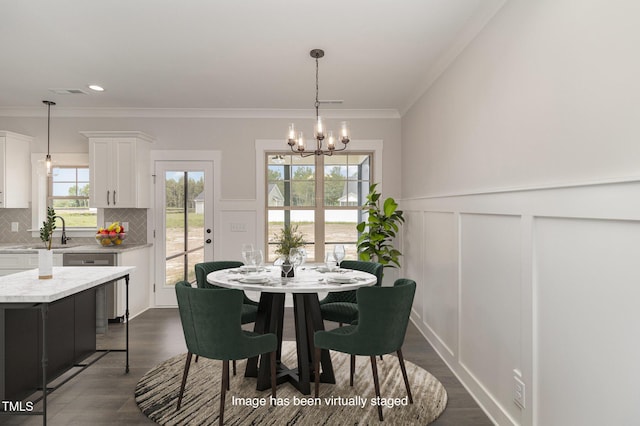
519	395
15	226
125	225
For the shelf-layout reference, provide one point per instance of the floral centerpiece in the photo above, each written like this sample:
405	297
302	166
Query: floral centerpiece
288	238
112	234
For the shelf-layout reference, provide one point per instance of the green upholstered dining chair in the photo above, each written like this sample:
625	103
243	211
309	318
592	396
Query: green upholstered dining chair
212	329
342	306
249	307
380	329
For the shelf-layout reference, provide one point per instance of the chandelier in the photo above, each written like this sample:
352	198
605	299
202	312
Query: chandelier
296	141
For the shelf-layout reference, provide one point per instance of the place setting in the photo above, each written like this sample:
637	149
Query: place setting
331	270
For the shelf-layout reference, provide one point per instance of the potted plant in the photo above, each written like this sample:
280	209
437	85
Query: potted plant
288	238
45	257
377	233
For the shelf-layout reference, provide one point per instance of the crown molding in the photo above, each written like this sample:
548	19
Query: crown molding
18	136
200	113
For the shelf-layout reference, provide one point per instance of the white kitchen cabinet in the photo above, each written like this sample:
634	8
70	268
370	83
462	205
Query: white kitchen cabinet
139	282
119	170
15	170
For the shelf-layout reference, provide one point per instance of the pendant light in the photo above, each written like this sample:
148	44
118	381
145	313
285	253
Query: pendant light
48	157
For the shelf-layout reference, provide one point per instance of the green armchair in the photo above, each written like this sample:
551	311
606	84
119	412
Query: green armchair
212	329
342	306
381	327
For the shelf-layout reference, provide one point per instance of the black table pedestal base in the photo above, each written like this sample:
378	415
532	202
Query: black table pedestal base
308	320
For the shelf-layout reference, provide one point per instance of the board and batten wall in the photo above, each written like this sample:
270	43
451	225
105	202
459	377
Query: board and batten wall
521	186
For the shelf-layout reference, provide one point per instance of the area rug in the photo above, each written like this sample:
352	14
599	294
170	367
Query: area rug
157	395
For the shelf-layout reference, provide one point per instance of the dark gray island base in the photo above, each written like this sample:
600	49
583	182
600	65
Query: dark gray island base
71	337
48	327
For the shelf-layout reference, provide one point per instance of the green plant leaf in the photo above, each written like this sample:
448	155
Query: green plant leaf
390	206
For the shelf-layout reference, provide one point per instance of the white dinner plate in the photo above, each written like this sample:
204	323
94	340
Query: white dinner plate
250	268
256	279
340	278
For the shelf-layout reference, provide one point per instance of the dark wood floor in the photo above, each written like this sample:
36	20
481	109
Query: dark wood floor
103	394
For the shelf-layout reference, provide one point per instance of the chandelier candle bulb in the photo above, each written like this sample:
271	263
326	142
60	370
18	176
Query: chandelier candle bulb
300	142
292	134
319	129
331	142
344	132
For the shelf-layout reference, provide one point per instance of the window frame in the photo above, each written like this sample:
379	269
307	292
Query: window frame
39	192
51	197
262	146
319	207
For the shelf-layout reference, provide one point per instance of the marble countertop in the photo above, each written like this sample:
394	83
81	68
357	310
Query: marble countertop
307	280
25	287
8	248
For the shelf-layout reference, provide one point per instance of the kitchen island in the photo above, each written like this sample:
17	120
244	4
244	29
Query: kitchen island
48	326
19	257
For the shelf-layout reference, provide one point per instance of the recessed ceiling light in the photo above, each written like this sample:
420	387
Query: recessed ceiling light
96	88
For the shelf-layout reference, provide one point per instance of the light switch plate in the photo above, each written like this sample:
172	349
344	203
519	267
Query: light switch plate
238	227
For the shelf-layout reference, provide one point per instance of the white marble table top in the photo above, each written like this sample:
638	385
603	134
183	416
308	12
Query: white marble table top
25	287
307	280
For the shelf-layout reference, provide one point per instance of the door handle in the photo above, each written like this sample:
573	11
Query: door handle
108	197
208	241
114	197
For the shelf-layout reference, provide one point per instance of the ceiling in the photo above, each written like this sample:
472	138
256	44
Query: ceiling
228	54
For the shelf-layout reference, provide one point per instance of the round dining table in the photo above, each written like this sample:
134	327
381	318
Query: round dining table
304	287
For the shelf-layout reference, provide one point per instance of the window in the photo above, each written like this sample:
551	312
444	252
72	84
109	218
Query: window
68	194
322	195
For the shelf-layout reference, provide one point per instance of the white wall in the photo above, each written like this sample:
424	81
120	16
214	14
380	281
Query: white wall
234	137
520	182
547	94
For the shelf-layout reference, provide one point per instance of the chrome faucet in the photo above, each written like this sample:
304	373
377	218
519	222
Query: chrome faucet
63	239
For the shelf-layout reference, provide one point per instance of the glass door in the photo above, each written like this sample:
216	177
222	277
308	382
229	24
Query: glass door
184	222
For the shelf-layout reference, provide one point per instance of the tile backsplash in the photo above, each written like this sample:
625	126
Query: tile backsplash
136	234
137	218
23	217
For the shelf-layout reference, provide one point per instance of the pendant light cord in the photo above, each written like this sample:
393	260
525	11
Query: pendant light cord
48	103
48	127
317	102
